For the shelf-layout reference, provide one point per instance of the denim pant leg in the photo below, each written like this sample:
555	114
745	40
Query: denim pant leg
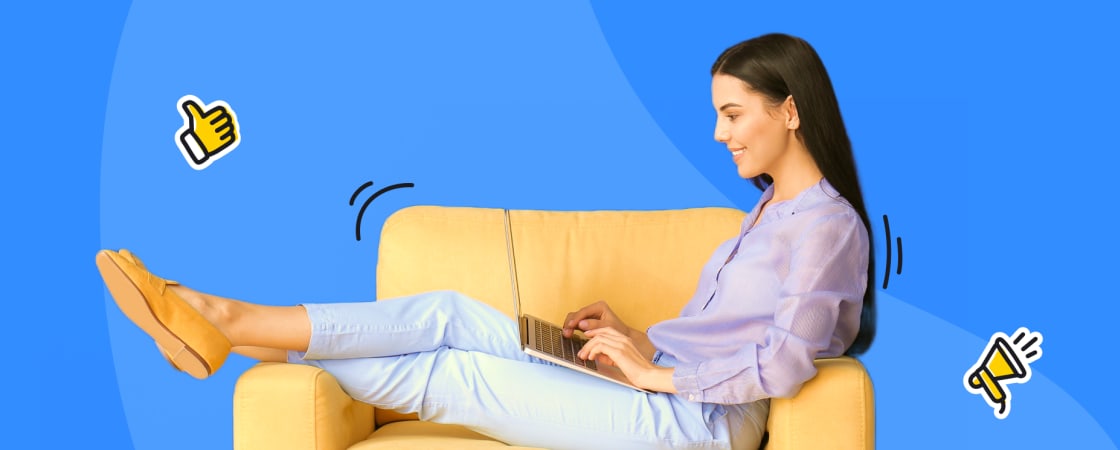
453	360
745	423
412	324
525	403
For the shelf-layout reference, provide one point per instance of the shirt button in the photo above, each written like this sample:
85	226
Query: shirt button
691	398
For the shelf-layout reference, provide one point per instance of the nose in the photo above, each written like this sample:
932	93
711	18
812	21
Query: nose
722	135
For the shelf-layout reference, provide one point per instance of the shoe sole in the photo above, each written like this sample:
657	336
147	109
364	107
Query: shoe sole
130	300
167	356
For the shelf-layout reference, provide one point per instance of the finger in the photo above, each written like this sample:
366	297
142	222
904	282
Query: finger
569	324
591	324
603	332
589	349
573	319
598	351
609	354
220	117
193	110
614	354
599	344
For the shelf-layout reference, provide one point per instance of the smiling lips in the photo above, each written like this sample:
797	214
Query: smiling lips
735	154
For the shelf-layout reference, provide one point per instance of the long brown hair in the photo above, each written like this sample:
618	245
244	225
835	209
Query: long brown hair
778	66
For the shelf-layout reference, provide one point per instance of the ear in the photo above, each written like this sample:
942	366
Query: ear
789	107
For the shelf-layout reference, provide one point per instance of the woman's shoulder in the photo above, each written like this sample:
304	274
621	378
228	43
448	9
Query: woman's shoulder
833	222
825	203
826	212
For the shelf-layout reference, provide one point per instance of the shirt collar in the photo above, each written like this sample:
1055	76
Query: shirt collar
812	196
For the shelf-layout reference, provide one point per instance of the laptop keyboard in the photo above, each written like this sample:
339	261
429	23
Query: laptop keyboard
551	340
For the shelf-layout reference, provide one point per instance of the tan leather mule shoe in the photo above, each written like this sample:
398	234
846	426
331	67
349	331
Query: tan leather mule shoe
134	260
190	342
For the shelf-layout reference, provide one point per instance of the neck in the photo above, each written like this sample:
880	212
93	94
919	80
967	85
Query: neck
796	174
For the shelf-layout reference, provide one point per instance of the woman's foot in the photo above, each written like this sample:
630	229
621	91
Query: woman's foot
174	316
216	310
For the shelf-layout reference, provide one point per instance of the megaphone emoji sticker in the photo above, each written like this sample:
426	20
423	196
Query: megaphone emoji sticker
1005	361
209	131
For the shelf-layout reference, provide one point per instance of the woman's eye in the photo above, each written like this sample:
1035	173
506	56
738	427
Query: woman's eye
732	117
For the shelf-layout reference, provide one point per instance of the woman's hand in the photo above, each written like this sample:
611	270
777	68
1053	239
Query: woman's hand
611	347
594	316
597	316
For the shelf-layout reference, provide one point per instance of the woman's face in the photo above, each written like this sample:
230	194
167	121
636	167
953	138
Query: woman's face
756	133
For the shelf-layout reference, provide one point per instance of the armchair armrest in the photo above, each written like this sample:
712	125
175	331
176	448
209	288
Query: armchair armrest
835	409
291	406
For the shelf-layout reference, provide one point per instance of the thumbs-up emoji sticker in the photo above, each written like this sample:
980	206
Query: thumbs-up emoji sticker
209	131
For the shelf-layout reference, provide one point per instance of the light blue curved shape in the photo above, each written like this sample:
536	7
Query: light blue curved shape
916	365
515	105
945	127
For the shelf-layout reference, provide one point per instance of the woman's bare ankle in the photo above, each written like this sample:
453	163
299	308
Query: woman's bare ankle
219	311
250	324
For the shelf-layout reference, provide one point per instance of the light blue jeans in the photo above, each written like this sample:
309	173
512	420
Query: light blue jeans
455	360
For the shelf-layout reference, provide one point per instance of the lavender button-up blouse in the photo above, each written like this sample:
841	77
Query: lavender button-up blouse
782	293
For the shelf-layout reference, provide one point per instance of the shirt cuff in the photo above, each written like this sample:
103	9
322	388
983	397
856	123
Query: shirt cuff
687	382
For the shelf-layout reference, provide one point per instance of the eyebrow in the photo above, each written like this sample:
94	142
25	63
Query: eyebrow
729	105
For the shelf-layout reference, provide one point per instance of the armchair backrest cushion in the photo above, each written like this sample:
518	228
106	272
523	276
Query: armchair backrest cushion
645	264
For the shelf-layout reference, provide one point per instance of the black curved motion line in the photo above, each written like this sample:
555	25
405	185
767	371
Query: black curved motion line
362	212
887	273
899	271
359	191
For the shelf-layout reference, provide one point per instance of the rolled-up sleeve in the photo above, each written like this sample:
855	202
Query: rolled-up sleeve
816	316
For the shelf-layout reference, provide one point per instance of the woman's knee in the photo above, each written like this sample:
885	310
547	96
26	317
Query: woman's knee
449	300
456	297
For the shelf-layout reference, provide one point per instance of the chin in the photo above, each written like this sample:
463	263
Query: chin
747	174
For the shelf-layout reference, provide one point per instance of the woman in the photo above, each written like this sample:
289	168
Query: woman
791	287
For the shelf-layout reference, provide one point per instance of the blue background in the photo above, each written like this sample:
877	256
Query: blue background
981	132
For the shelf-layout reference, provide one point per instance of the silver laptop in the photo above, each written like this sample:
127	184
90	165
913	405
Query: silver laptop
546	341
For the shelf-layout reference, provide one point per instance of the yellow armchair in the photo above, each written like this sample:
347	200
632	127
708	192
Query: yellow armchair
644	263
